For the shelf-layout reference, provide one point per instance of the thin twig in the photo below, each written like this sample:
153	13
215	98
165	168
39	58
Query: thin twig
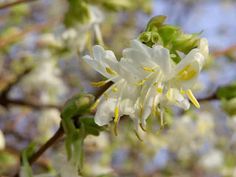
19	34
59	133
6	90
11	4
208	98
37	106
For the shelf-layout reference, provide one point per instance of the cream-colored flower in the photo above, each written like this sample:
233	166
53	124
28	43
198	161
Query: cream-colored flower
146	80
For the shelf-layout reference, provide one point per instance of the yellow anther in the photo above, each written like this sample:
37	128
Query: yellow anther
155	83
116	120
137	135
169	94
98	84
110	71
187	73
182	91
106	96
140	83
145	68
192	98
159	90
114	89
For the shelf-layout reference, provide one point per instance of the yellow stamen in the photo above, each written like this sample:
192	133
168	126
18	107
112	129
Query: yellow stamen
116	120
94	106
110	71
159	90
98	84
155	83
169	94
182	91
162	118
140	83
106	96
142	127
192	98
145	68
137	135
187	73
114	89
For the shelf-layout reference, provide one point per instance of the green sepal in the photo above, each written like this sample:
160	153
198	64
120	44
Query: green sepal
168	33
77	105
26	154
91	128
185	42
155	23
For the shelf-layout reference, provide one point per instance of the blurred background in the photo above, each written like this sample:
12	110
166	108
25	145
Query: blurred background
41	44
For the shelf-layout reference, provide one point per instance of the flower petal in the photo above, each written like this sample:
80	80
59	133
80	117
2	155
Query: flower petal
105	111
161	56
187	71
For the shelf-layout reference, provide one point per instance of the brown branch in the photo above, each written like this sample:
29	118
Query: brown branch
14	3
4	41
37	106
59	133
7	89
208	98
4	93
229	50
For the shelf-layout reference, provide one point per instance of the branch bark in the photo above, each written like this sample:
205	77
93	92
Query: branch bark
11	4
58	134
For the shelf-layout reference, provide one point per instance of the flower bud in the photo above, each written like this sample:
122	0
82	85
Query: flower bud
145	37
78	105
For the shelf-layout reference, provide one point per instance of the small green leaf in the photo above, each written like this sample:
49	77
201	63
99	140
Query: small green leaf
229	106
227	92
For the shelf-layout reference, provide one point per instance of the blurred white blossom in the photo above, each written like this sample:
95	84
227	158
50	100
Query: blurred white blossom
48	122
46	78
213	159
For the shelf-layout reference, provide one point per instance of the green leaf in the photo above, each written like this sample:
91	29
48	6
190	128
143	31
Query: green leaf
227	92
229	106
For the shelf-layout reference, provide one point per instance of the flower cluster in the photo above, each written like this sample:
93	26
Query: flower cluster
146	81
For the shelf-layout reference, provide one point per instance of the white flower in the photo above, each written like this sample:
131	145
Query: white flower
45	78
146	80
